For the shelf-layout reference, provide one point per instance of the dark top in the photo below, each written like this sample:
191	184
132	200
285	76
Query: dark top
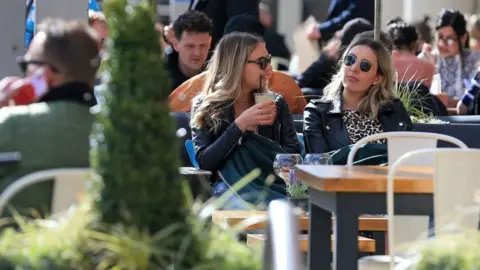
319	73
220	11
77	92
275	44
171	66
212	148
325	130
342	11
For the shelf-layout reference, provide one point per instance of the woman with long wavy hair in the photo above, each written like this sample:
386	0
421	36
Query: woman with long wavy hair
358	102
225	111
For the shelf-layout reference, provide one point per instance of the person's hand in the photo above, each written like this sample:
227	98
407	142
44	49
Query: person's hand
258	115
313	32
169	34
333	47
9	88
427	52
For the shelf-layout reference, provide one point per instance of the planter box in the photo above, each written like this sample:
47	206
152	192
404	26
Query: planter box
467	133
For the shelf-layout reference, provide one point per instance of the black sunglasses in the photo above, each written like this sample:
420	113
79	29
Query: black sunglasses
23	64
350	59
262	61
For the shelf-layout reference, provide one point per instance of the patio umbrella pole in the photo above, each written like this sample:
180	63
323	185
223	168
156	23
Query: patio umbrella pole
378	19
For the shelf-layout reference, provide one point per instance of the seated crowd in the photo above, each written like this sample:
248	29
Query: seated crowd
241	109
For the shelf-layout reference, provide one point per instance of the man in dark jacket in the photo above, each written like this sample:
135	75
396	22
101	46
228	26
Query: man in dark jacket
190	48
339	13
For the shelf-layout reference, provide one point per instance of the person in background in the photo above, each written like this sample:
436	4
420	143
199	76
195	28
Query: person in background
319	74
275	42
424	33
453	60
384	38
339	13
98	22
30	21
469	103
474	32
187	57
357	103
408	67
281	83
225	111
54	131
220	12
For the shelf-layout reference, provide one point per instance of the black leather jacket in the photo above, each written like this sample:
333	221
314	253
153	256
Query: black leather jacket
212	148
324	130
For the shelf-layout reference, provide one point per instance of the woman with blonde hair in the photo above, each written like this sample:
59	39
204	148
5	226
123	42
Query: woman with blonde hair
225	112
358	102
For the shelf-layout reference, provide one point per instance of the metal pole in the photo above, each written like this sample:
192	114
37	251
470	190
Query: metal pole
378	19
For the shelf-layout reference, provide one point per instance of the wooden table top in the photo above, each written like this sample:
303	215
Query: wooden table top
365	179
364	244
257	220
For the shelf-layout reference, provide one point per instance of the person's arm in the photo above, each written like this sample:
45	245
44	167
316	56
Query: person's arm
210	153
314	140
403	115
288	134
470	94
237	7
355	7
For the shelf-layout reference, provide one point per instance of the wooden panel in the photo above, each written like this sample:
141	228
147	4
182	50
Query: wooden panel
368	179
257	220
364	244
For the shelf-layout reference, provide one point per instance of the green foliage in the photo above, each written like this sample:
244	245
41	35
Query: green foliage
297	190
454	252
410	98
138	215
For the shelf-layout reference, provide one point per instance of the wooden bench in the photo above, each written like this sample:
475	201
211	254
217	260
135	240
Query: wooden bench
365	245
229	219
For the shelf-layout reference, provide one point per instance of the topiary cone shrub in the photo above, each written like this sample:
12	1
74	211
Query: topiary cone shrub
138	214
136	147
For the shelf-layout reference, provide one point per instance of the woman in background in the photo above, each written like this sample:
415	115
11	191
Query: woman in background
453	60
409	68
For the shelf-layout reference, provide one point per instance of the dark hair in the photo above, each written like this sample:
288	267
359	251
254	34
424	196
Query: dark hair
456	20
384	38
72	48
402	34
424	30
192	21
244	23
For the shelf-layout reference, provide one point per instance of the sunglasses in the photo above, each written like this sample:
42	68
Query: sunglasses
350	59
262	62
449	41
23	64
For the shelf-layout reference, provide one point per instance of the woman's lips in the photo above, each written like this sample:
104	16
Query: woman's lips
352	79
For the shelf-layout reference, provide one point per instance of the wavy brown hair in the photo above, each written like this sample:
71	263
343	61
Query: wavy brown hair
223	78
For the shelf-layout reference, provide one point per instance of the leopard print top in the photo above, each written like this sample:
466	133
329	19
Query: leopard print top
360	126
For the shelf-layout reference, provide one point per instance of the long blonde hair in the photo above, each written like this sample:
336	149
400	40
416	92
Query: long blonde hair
223	78
378	95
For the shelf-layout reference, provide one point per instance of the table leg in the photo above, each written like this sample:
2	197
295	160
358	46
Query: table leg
320	230
380	243
345	254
